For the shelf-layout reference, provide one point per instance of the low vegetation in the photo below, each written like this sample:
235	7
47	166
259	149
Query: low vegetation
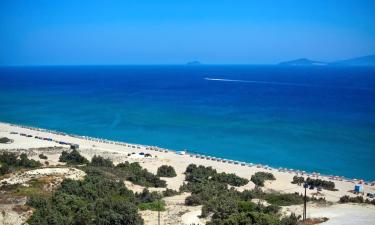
328	185
227	206
135	173
166	171
42	156
35	187
73	157
101	162
284	199
356	199
260	177
126	171
196	173
10	162
170	192
94	200
150	201
5	140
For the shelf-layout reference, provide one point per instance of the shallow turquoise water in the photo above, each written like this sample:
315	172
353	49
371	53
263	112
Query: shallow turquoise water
315	119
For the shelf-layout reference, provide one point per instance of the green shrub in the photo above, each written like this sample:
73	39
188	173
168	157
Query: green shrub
101	162
72	157
259	177
37	201
94	200
42	156
136	174
166	171
5	140
10	162
147	196
248	218
193	200
328	185
230	178
195	173
290	220
170	192
298	180
356	199
229	206
284	199
153	206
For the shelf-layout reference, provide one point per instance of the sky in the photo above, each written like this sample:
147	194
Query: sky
70	32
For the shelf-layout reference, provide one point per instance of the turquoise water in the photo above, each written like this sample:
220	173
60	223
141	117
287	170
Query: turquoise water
311	118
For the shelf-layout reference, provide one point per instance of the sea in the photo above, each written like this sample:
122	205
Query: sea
317	119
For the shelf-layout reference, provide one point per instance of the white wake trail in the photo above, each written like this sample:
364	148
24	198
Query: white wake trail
283	83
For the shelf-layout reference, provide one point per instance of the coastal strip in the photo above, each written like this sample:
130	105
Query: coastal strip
179	159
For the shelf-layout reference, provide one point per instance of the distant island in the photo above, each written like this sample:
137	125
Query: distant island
302	62
194	63
359	61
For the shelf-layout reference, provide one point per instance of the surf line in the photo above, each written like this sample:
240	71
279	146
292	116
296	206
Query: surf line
284	83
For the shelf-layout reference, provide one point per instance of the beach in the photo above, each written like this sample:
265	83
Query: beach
120	152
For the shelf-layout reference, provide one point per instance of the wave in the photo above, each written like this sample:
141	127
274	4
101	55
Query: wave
286	84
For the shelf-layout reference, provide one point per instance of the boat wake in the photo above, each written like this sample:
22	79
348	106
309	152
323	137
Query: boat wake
285	84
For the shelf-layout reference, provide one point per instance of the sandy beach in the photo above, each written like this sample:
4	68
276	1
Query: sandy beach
120	152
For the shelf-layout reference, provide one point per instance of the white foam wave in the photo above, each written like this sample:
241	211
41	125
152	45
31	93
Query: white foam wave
283	83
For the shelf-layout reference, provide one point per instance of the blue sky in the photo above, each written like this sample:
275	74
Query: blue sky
174	32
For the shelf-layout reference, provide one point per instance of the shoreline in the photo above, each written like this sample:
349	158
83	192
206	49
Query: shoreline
36	140
191	154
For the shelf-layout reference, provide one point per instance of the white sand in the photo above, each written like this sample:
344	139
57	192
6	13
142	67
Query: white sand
119	153
338	214
24	177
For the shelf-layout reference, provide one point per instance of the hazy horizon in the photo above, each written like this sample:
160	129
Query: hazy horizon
167	32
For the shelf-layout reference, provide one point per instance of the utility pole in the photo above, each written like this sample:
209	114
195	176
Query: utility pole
158	211
304	202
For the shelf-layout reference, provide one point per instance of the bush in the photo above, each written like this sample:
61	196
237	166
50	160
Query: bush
94	200
284	199
5	140
290	220
153	206
195	173
259	177
346	199
368	201
72	157
328	185
247	218
11	162
147	196
136	174
101	162
166	171
42	156
193	200
229	206
298	180
230	178
36	201
170	192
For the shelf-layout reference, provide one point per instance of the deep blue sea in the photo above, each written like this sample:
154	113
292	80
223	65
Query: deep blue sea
310	118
